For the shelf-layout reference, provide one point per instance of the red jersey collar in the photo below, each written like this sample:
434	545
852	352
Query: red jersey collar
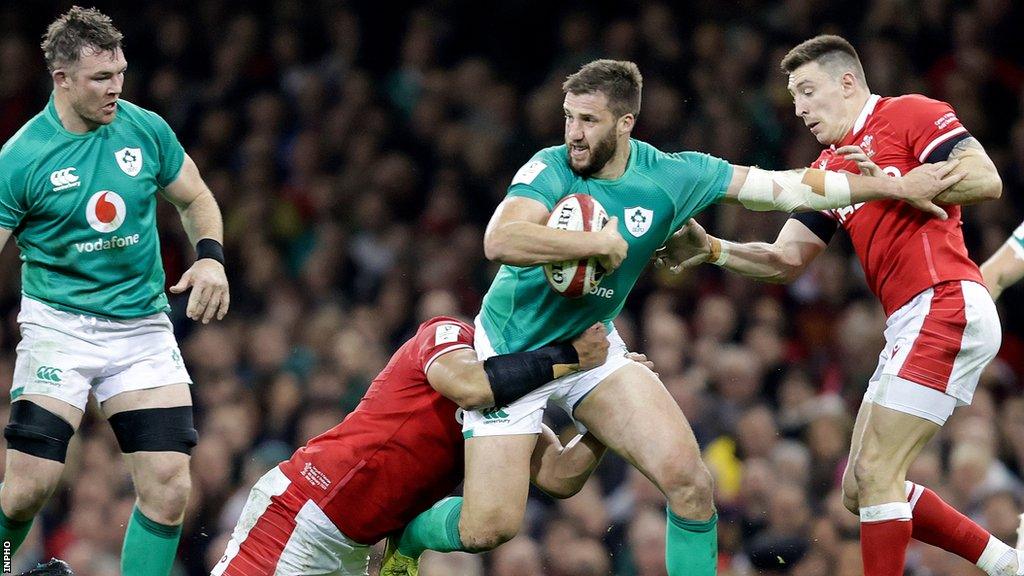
862	119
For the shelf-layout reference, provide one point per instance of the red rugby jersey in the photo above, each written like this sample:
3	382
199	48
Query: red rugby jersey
398	452
903	251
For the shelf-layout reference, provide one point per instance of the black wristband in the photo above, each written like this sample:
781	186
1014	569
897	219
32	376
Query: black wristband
513	376
210	248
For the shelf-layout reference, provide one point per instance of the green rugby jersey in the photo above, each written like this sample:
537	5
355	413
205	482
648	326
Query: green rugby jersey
83	210
656	194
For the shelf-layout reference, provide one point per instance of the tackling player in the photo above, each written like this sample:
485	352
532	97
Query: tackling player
1006	266
78	189
942	327
649	194
398	452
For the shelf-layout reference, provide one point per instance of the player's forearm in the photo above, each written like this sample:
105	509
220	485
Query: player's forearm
1002	270
758	260
867	188
805	189
982	182
529	244
201	219
562	472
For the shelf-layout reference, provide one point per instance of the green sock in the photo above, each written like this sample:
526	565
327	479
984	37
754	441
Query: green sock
149	547
691	546
13	531
435	529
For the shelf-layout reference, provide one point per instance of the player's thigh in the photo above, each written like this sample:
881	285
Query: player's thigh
633	414
55	362
849	482
146	371
282	533
890	442
168	396
497	481
943	339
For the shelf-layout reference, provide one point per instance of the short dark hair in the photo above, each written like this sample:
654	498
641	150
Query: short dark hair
827	50
74	30
619	80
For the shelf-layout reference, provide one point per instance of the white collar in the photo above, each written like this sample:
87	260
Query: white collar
866	111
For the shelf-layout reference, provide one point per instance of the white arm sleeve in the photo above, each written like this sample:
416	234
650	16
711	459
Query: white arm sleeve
787	191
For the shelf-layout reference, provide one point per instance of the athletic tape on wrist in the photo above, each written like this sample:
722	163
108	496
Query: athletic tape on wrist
723	254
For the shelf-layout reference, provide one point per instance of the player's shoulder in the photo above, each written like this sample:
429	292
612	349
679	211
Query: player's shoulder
30	137
910	104
554	157
24	150
659	165
547	164
445	328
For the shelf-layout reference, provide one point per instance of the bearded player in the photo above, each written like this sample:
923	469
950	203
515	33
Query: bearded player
942	326
78	189
648	194
398	452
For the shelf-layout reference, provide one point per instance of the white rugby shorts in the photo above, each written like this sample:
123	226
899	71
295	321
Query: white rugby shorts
936	347
524	416
65	355
282	533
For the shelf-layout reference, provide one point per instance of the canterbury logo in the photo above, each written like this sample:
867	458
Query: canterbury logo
48	373
495	413
64	179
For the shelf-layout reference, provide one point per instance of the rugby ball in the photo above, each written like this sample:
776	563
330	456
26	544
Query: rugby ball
576	278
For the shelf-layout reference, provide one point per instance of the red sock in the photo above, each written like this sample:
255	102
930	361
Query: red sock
939	524
883	546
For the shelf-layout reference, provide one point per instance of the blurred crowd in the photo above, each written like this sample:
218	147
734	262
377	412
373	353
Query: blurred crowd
357	150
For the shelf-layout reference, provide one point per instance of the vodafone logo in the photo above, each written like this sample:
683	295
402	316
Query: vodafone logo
106	211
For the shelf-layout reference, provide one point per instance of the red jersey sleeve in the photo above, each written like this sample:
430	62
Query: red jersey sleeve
439	336
927	123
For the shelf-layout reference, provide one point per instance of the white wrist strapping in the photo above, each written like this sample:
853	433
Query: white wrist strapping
759	190
723	254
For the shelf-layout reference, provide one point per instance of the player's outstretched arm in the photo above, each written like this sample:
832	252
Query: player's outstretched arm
981	179
813	189
781	261
517	235
201	219
505	378
1003	269
561	471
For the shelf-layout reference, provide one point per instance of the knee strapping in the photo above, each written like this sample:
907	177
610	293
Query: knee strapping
155	430
36	431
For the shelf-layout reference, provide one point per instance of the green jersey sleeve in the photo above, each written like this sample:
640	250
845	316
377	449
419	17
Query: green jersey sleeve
700	181
540	179
1017	240
13	203
172	154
